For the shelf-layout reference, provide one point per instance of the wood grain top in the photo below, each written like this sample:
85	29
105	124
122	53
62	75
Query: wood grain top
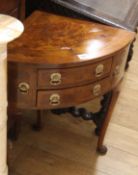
10	28
53	39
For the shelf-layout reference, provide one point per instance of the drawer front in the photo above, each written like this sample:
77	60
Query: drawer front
59	78
6	6
21	86
72	96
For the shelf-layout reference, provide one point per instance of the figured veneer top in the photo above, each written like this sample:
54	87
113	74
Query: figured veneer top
10	28
53	39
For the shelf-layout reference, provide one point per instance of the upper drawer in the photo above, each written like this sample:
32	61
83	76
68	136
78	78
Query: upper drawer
59	78
8	5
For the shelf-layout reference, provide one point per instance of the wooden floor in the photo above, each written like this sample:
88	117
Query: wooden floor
66	146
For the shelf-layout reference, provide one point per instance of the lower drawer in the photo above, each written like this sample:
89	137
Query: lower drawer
72	96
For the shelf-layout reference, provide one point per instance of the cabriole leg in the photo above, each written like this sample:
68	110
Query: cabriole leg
100	147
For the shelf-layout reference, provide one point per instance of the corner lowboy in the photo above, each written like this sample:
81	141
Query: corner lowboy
61	62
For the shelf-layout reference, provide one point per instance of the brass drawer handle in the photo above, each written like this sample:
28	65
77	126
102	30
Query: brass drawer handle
23	87
99	70
55	79
97	89
54	99
116	71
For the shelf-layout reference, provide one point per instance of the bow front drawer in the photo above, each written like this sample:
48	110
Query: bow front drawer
72	96
59	78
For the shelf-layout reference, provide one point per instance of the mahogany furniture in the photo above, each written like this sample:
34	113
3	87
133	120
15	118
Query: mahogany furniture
23	8
60	62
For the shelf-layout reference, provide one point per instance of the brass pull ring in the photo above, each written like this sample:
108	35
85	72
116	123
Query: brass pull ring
99	70
117	70
23	87
97	89
54	99
55	79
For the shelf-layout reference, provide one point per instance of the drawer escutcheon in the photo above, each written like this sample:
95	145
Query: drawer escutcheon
54	99
99	70
97	89
55	79
23	87
116	71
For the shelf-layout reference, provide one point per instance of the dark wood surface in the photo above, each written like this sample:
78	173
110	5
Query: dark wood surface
13	7
7	6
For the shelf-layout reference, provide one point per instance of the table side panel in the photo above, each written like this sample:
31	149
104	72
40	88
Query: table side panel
19	74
